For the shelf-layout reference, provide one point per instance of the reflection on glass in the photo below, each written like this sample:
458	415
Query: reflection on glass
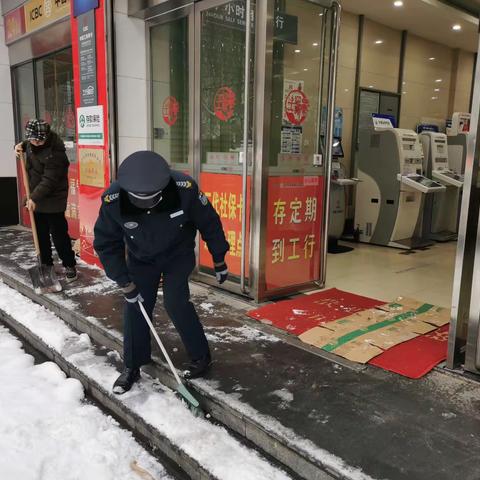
25	96
169	50
55	93
222	85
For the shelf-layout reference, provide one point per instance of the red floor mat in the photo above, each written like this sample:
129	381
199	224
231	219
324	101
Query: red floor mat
307	311
417	357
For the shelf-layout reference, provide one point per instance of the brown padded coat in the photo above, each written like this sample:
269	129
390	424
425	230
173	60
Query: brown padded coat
47	168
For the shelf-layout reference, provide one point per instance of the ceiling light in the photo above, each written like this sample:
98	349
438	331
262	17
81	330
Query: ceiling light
404	93
305	69
315	44
370	86
438	80
297	51
347	90
432	59
378	42
456	27
437	90
320	14
434	98
398	3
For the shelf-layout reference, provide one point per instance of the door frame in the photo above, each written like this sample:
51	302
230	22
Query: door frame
262	52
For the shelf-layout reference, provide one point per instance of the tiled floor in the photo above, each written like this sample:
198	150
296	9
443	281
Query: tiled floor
386	273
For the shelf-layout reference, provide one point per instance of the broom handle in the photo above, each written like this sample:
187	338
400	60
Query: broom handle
32	216
160	344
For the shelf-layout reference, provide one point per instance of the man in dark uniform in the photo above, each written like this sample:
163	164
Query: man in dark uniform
154	213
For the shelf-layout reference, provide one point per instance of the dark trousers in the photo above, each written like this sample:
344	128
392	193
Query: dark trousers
176	300
54	224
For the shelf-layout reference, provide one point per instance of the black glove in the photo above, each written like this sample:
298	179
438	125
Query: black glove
131	293
221	272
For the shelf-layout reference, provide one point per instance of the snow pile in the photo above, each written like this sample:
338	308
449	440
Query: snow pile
47	432
210	445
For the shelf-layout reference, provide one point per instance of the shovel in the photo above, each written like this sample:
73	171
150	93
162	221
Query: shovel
44	279
191	401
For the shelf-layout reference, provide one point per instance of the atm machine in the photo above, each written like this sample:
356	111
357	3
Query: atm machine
441	210
457	137
391	187
338	199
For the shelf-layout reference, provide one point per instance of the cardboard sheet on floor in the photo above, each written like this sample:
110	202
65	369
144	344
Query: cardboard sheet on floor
415	358
364	335
437	316
305	312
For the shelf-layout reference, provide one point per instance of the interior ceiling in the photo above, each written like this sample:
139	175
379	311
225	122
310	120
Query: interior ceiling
430	19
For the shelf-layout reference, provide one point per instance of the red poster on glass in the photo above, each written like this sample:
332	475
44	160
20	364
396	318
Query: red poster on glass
295	209
225	194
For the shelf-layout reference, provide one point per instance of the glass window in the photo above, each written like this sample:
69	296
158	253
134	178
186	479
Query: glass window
169	47
25	96
55	95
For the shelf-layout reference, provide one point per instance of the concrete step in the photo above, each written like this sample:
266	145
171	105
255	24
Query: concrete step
274	441
92	365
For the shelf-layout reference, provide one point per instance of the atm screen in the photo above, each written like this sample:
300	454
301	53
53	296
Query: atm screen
337	149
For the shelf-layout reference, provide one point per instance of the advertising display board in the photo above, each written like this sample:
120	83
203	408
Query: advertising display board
92	123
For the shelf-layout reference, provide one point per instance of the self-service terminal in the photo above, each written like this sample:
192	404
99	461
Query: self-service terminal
457	137
391	187
440	216
338	199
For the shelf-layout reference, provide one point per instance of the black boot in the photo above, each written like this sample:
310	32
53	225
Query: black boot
126	380
70	274
198	368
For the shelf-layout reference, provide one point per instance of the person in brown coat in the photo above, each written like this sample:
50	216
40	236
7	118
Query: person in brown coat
47	168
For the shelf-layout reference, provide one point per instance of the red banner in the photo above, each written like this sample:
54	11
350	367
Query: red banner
14	24
295	209
225	194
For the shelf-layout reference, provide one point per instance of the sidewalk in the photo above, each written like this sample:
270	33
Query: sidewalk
309	413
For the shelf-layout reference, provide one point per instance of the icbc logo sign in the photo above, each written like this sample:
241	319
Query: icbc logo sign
170	110
296	107
36	13
224	103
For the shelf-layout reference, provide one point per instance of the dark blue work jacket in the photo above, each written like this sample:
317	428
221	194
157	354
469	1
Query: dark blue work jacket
165	231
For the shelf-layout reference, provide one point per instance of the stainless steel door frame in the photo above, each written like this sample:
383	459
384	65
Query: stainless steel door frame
465	315
202	276
263	144
332	83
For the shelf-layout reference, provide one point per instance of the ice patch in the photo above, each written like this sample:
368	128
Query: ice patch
242	334
207	307
449	415
283	395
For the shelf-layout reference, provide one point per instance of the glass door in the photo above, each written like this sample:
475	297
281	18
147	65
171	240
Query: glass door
300	139
224	125
171	82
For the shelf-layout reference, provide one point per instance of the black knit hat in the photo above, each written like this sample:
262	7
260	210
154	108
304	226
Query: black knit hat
37	130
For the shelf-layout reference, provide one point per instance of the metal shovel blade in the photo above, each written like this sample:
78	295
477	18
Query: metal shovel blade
44	279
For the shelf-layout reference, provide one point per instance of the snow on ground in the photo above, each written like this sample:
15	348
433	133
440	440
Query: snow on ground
212	446
243	334
48	431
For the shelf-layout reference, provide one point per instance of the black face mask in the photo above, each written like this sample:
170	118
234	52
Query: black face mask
145	200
